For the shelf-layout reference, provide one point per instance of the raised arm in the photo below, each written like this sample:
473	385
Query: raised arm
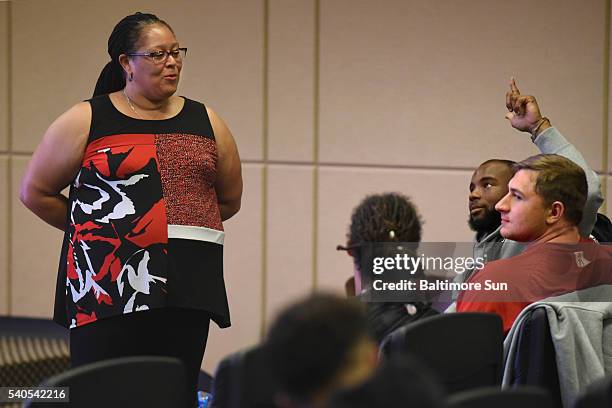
524	115
55	164
229	169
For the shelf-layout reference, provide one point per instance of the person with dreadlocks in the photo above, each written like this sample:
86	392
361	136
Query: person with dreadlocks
388	217
152	176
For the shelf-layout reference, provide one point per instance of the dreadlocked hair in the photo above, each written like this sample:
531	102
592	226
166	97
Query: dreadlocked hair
389	217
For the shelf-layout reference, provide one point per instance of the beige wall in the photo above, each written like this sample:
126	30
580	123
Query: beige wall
328	100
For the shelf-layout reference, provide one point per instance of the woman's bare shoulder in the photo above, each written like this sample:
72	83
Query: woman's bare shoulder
71	126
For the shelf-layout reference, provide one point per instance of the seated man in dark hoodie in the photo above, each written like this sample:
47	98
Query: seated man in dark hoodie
380	218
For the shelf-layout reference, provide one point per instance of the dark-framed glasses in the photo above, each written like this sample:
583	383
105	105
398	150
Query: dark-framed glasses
159	57
386	249
350	249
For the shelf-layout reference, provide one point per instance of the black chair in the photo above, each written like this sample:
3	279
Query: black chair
598	395
123	382
32	327
243	380
205	381
534	363
602	230
31	350
401	382
493	397
464	350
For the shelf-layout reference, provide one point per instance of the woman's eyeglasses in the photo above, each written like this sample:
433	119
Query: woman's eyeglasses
159	57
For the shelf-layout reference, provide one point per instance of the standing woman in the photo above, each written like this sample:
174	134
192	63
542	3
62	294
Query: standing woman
152	176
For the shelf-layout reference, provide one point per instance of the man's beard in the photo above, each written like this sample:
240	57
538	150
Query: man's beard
487	223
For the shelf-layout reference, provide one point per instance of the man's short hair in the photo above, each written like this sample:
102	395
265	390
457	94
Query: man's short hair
558	179
505	162
311	342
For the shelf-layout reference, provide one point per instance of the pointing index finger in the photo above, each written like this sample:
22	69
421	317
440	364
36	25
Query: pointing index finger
513	86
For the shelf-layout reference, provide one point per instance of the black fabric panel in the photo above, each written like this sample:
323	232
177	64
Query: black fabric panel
107	120
535	362
60	315
195	278
60	312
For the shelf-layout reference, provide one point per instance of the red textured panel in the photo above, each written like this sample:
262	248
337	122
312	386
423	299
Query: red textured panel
188	167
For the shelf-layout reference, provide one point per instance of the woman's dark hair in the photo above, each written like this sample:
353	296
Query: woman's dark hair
389	217
123	40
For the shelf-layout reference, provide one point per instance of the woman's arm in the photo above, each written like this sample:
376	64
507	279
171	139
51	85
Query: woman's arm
54	165
229	170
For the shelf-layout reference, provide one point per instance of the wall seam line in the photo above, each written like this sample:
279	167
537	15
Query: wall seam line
606	106
264	195
315	145
358	165
9	201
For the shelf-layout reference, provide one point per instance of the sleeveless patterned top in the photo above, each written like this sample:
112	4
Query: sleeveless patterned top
144	228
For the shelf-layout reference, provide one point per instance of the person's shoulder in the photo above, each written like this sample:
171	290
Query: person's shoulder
83	107
599	251
197	106
193	102
491	237
99	98
534	258
76	117
494	268
604	249
507	267
71	129
220	128
187	98
200	105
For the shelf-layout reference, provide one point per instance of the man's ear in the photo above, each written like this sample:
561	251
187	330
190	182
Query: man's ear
555	212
